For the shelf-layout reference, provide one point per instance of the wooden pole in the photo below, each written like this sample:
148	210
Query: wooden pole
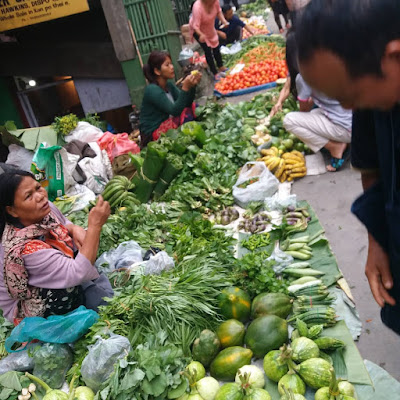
135	42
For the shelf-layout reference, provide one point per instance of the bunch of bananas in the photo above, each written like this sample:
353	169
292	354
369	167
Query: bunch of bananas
118	192
285	166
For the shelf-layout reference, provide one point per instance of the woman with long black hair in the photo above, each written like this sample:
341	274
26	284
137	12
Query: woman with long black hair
164	105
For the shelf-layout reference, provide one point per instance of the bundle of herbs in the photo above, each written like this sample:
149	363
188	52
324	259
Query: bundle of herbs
150	371
254	274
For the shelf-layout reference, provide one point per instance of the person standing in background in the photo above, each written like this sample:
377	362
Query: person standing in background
202	26
234	2
294	7
279	8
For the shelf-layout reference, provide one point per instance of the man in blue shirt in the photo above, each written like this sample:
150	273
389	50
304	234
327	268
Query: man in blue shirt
233	32
343	57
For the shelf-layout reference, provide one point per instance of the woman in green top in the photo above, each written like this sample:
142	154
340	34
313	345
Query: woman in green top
165	106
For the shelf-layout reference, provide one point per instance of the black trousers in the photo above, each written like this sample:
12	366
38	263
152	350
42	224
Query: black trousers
279	8
211	54
235	3
234	36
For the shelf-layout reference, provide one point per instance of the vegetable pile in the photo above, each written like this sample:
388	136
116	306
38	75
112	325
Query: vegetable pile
226	301
264	62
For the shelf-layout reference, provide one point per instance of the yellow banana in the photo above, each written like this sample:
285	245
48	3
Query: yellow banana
283	177
294	166
275	150
298	170
297	153
274	164
298	175
281	168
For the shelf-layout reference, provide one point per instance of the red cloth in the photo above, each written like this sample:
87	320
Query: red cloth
188	114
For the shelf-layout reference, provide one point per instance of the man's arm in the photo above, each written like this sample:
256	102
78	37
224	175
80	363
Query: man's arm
249	29
364	157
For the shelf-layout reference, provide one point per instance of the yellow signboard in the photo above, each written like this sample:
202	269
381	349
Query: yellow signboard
17	13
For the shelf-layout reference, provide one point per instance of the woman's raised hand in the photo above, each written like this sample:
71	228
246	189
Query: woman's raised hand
99	214
191	80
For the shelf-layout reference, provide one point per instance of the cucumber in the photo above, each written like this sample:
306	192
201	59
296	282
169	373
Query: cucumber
302	264
298	273
303	279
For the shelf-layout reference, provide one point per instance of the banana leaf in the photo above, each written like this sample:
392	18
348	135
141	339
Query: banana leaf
148	175
172	168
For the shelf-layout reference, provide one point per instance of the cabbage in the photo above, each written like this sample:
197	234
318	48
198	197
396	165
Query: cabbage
208	388
196	368
256	376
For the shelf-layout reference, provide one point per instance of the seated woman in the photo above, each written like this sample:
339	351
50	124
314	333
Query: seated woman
46	262
165	106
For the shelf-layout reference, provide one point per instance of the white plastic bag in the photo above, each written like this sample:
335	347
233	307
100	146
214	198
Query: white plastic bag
235	48
82	194
20	361
95	169
84	132
98	365
265	184
126	254
155	265
282	260
19	157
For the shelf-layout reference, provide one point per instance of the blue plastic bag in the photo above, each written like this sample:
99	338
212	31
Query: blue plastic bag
66	328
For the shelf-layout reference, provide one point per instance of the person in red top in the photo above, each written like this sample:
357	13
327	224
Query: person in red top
202	26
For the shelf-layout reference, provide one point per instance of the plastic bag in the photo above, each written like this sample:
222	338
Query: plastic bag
52	361
235	48
19	157
115	145
279	203
95	170
98	365
84	132
255	183
66	328
126	254
20	361
185	54
53	168
282	260
155	265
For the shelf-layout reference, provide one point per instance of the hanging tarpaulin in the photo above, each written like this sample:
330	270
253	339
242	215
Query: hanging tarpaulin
18	13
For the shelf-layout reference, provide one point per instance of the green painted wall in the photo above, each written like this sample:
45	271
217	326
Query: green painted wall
8	111
155	28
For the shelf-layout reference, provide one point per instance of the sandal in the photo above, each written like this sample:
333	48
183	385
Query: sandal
337	163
